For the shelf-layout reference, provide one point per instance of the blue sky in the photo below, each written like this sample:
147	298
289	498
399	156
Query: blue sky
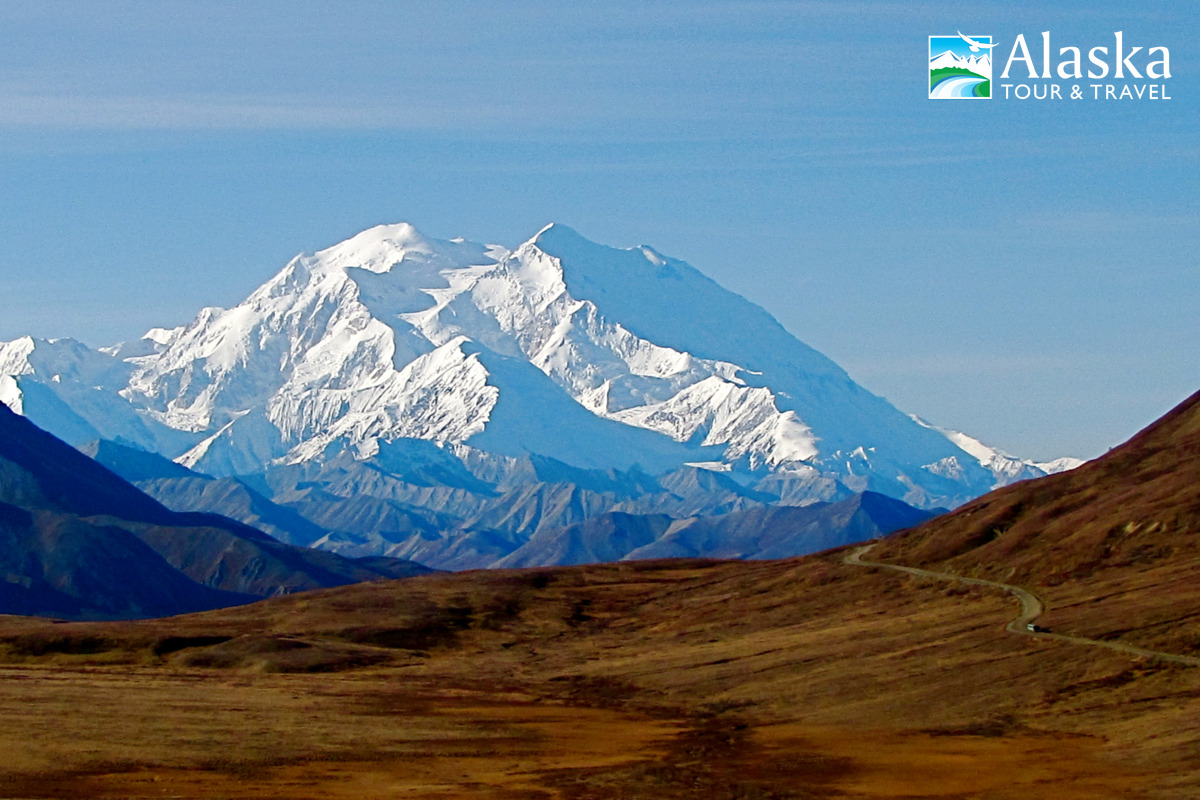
939	44
1026	272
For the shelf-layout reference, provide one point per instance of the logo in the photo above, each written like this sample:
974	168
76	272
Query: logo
1134	77
960	67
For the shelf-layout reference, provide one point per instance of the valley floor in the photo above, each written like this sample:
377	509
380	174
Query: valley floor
795	679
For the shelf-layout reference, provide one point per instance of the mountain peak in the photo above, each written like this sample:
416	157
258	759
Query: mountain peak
556	228
378	249
557	236
563	241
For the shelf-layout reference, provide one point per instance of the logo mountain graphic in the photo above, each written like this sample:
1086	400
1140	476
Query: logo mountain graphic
960	67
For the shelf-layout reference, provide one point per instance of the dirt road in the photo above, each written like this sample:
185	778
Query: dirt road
1031	608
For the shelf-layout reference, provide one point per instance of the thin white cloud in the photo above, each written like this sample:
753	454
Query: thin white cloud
209	112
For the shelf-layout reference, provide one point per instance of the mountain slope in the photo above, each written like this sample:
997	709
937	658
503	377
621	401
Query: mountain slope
1138	502
83	542
782	532
604	538
1113	544
62	565
761	532
181	489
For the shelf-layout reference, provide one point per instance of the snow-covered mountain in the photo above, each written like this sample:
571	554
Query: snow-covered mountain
592	357
1006	467
980	64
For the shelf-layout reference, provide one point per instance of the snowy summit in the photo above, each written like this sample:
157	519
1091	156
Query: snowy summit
560	348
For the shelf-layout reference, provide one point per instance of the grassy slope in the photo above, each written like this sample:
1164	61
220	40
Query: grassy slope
1116	542
802	678
936	76
796	676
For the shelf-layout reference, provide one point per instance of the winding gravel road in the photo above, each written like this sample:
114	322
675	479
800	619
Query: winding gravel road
1031	608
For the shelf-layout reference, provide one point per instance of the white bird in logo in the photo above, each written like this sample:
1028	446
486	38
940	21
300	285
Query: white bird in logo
974	44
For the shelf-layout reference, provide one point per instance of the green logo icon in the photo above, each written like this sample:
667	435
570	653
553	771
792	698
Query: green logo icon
960	67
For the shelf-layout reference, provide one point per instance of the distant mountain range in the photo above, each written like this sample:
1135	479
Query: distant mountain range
80	542
449	401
